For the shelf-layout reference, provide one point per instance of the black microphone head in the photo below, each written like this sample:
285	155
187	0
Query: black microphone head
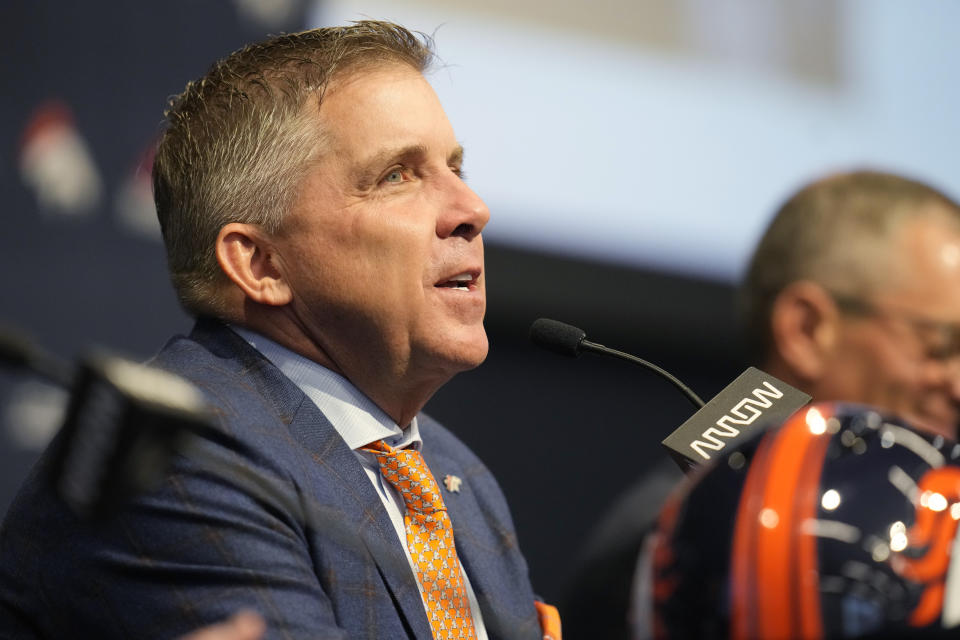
557	336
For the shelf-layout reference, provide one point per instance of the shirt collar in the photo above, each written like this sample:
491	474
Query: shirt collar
357	419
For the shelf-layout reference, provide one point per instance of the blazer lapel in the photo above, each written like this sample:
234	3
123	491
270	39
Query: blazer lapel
473	554
487	549
359	510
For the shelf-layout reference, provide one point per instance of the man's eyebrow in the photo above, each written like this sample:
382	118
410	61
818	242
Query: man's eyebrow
456	156
368	169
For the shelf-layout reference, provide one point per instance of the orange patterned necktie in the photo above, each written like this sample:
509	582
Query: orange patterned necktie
429	540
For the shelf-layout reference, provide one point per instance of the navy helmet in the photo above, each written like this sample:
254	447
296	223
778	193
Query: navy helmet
840	523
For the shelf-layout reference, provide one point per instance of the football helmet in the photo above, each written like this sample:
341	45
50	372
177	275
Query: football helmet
840	523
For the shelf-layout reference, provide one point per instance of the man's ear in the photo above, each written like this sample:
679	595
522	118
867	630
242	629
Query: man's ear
804	323
249	259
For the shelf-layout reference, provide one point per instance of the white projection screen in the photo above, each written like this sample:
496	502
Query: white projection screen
663	134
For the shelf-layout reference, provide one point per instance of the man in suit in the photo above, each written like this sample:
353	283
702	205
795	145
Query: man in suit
316	222
852	294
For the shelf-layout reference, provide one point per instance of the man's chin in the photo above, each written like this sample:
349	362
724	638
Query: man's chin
466	354
473	357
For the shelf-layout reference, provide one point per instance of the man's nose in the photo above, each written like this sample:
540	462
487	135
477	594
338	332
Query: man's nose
465	214
951	368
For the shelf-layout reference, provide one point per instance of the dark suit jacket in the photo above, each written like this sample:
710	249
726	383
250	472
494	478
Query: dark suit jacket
279	517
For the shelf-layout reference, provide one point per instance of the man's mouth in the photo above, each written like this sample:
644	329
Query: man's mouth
461	282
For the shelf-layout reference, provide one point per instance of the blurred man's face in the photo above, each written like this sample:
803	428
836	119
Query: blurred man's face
897	349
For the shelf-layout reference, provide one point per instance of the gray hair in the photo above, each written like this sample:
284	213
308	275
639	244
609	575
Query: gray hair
835	232
239	141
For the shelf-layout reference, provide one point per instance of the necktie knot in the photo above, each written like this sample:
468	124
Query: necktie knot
407	472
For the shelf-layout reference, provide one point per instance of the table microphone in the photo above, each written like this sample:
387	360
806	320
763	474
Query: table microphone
753	401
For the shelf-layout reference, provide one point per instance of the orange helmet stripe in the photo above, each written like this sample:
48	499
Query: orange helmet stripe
774	567
931	539
742	577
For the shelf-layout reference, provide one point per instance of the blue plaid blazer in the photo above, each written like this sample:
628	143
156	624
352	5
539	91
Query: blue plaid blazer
277	516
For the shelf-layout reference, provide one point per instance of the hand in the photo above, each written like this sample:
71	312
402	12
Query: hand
243	625
549	620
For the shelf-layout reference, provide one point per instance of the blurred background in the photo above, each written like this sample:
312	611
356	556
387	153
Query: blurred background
631	154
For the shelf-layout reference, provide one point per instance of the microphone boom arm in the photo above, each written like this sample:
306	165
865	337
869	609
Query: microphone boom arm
587	345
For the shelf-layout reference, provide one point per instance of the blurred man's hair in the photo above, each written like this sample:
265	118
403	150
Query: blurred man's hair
835	232
240	140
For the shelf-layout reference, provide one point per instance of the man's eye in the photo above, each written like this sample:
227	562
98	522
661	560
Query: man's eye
395	176
940	352
941	343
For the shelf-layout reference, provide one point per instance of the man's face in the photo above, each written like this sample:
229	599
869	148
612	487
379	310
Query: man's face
382	249
892	356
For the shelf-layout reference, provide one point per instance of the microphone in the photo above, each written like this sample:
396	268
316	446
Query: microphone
123	423
731	417
17	351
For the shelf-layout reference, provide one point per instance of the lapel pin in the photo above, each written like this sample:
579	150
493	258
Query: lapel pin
452	483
